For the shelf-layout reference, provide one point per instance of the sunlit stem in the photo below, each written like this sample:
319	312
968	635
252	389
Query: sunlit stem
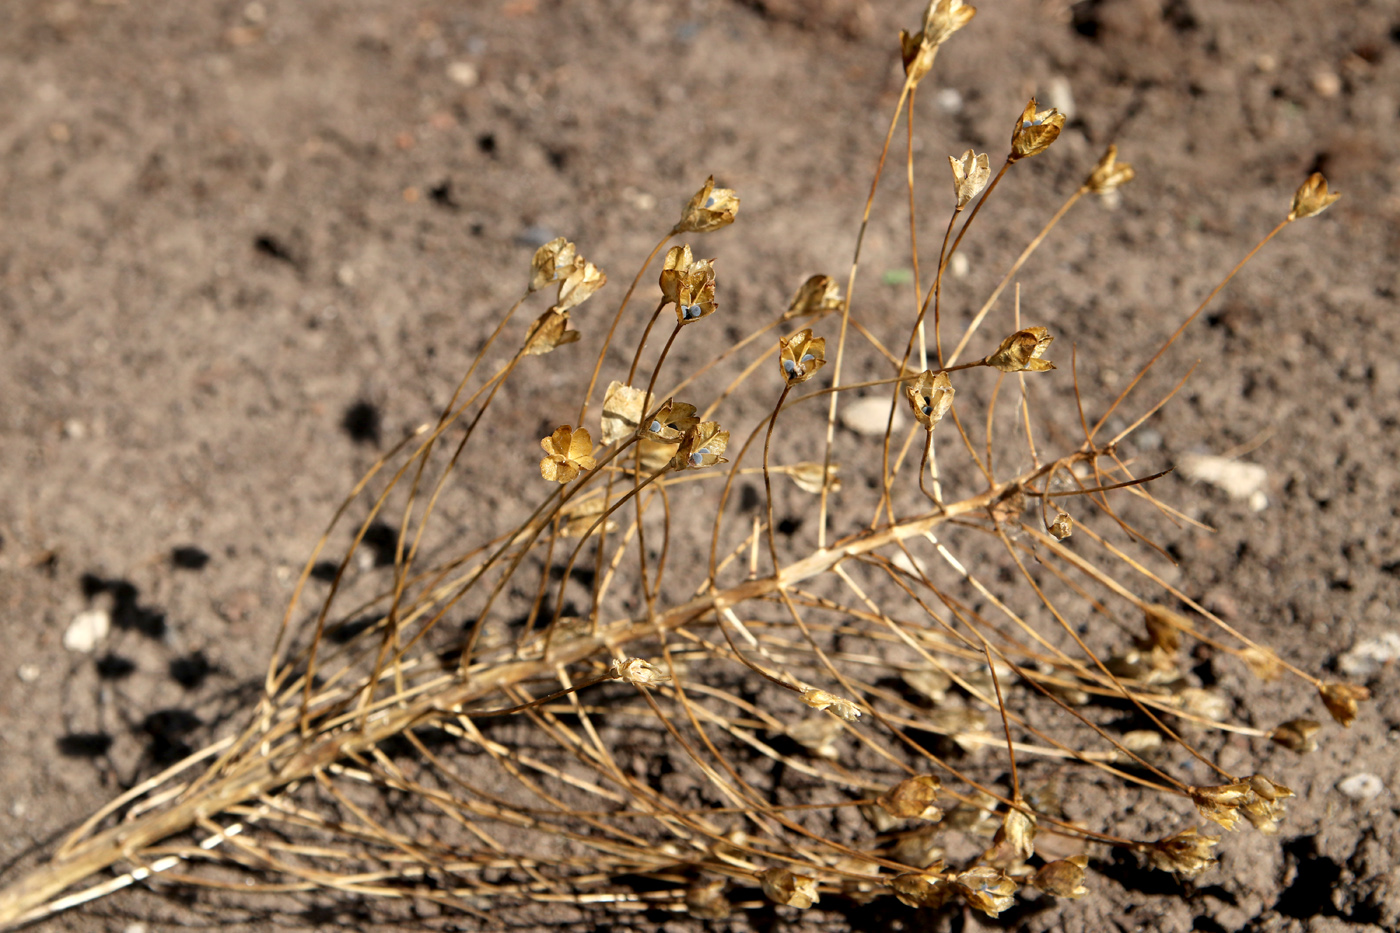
767	480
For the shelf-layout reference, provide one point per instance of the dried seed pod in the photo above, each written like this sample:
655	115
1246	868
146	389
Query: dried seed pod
550	260
862	888
917	889
918	55
1263	663
579	284
1265	807
579	514
1034	131
929	682
1014	841
548	332
800	356
1297	735
689	284
623	409
919	849
820	699
942	18
568	452
710	209
913	799
1164	627
987	889
1062	527
818	735
930	396
1063	878
1188	853
808	477
970	175
1311	198
1021	352
1341	700
1110	174
818	295
705	899
671	421
703	445
783	887
638	673
1204	702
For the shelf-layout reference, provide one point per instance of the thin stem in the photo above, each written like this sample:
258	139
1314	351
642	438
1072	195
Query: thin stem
767	481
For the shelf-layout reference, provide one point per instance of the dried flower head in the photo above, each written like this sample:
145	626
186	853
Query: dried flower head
942	18
930	396
1063	878
820	699
801	355
913	799
549	332
1311	198
670	422
987	889
918	55
623	409
1164	627
1014	841
568	452
689	284
818	295
817	734
1264	808
783	887
1221	804
1341	700
550	260
970	175
1034	131
1188	853
1110	174
710	209
1063	526
808	476
1297	735
705	899
703	445
917	889
638	673
1021	352
578	284
1263	662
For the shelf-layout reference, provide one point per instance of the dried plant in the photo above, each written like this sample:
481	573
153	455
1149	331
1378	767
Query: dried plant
920	680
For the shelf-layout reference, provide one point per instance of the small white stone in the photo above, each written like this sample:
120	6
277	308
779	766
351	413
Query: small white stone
1258	501
948	99
1367	658
959	266
463	73
86	630
1361	786
868	416
134	928
73	429
1059	95
28	673
1327	84
1238	480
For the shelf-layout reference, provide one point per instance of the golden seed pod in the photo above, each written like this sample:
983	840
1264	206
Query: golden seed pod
550	260
568	452
818	295
671	421
549	332
918	55
917	889
808	477
689	284
703	445
1263	663
783	887
1297	735
1014	841
1341	700
820	699
1311	198
1110	174
913	799
623	409
987	889
1034	131
705	899
801	355
1021	352
1063	526
1187	853
638	673
931	397
971	173
1063	878
578	284
710	209
942	18
1164	627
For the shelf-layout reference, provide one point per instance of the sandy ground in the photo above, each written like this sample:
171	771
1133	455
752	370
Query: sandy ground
242	246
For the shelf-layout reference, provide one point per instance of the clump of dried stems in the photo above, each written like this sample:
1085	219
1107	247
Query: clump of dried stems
733	718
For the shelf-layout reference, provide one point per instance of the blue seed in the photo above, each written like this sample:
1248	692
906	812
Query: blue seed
710	201
807	358
656	427
928	409
696	459
789	367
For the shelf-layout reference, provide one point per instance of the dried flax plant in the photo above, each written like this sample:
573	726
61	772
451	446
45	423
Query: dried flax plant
733	719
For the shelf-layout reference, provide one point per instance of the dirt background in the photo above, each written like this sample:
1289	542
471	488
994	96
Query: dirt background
244	244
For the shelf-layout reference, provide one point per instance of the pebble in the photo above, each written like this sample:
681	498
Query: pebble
86	630
868	416
948	99
1367	658
959	266
463	73
1238	480
1327	84
1361	786
28	673
1059	95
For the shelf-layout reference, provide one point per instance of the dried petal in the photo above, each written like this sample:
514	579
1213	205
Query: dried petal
1021	352
783	887
1187	853
1297	735
638	673
970	175
703	445
1222	803
710	209
1110	174
913	799
567	453
820	699
670	422
918	54
808	477
930	396
1062	527
989	890
1341	700
917	889
550	259
1034	131
623	409
818	295
1311	198
942	18
1063	878
579	284
548	332
801	355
